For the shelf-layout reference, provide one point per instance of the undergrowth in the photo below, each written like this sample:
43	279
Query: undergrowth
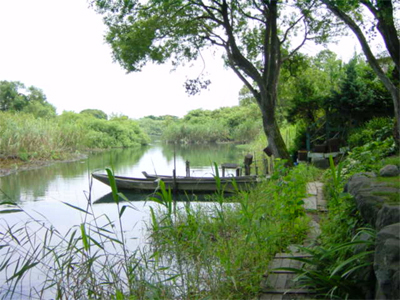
222	250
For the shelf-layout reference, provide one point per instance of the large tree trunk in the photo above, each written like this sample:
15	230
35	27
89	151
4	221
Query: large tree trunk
275	141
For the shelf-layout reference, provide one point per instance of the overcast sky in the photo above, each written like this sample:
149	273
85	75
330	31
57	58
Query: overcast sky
58	46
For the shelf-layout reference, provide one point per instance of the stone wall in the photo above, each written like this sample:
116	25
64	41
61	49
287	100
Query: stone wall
379	204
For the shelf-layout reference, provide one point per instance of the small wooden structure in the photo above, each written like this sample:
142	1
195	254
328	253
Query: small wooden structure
248	160
281	284
227	166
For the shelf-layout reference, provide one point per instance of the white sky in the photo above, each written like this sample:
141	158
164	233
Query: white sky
58	46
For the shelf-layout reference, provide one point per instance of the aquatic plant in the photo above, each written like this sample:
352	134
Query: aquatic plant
222	249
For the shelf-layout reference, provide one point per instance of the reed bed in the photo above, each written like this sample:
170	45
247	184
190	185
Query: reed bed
221	250
27	137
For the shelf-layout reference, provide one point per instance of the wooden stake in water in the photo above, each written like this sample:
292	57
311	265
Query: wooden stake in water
174	171
187	168
175	188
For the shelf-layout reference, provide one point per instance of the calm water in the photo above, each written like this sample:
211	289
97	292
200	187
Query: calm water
43	192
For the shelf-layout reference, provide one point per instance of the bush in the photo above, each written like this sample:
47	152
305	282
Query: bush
26	136
378	129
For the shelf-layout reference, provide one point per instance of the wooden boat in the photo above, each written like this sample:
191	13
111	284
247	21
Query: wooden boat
246	178
180	184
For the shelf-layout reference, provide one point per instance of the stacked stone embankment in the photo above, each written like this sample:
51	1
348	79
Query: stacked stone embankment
378	200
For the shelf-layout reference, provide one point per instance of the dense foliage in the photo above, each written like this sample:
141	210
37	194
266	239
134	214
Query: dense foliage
25	136
97	113
240	124
341	263
14	96
326	96
225	248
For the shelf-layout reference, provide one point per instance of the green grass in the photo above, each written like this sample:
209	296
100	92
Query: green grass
222	250
391	198
390	181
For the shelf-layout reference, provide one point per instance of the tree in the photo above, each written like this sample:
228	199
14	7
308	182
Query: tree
14	96
307	82
255	37
382	12
97	113
11	97
360	98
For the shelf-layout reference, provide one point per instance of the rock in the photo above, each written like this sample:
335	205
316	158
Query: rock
369	206
389	171
387	262
389	214
370	196
321	163
358	181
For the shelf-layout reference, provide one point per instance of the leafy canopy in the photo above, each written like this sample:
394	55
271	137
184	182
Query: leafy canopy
14	96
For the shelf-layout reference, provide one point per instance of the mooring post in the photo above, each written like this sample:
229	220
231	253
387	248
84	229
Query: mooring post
248	160
187	168
265	163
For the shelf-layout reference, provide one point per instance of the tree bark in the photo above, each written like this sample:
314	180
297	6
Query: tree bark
275	141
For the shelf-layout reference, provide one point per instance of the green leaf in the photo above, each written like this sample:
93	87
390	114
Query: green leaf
113	184
21	272
9	211
84	237
122	210
8	203
350	260
77	208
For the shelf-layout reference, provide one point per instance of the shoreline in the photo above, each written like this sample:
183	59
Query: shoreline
12	165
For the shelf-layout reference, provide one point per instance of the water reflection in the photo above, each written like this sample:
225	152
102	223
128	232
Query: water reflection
180	197
68	181
35	184
204	154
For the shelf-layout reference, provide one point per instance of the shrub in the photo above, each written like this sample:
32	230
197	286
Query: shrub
378	129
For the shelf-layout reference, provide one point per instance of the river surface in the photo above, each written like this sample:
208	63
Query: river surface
46	194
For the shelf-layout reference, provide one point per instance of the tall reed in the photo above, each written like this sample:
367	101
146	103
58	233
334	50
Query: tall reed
229	243
92	260
27	137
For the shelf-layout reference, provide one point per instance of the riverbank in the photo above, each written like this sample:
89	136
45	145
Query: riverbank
13	164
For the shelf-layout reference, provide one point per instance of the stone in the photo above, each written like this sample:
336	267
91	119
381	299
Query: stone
359	181
389	171
369	206
387	215
387	262
321	163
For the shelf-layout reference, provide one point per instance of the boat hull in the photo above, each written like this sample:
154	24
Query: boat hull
184	185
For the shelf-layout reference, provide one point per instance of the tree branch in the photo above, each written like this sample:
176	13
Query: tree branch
290	28
236	56
300	45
